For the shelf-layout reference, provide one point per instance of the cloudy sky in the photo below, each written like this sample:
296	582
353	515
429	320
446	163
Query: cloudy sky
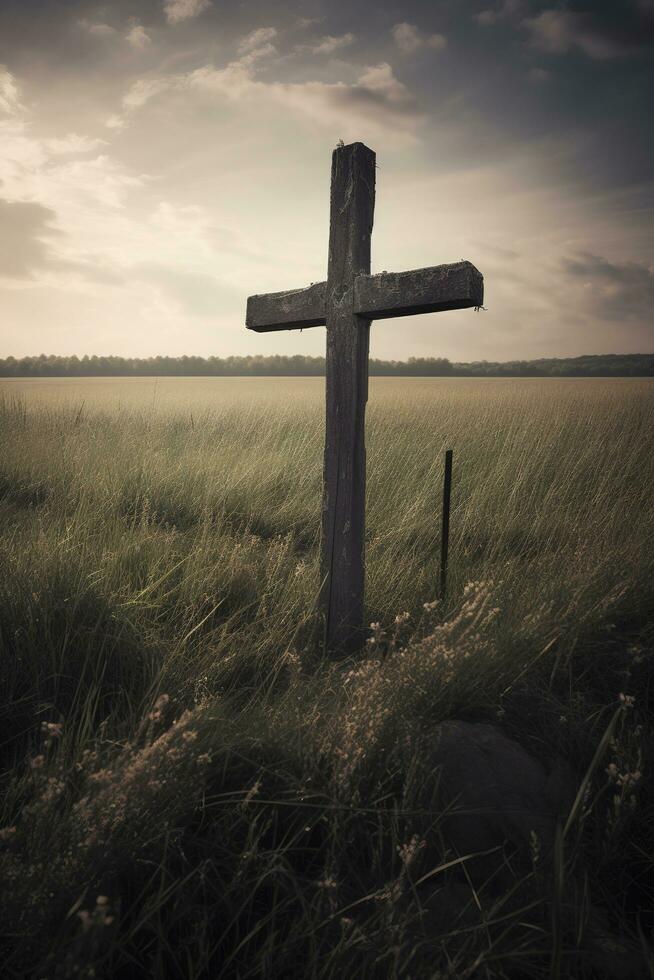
163	159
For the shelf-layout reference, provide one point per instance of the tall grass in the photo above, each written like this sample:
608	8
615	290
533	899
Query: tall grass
159	552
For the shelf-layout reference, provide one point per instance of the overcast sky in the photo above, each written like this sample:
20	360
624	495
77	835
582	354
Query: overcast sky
162	159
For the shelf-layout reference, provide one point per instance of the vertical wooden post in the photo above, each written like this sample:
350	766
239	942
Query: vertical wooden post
343	508
445	528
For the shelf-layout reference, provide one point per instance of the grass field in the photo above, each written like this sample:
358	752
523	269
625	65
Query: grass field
159	564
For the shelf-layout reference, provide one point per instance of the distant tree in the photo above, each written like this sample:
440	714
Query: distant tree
279	365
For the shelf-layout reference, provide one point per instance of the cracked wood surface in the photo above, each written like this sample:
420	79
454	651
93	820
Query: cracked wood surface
456	286
293	309
347	303
344	489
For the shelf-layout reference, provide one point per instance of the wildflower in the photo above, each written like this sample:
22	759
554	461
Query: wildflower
430	606
52	729
628	701
380	692
204	759
251	793
54	788
392	893
409	852
328	884
378	634
612	772
102	900
101	776
6	833
159	706
38	762
292	659
402	618
628	779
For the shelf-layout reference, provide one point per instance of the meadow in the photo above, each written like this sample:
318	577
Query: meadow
191	789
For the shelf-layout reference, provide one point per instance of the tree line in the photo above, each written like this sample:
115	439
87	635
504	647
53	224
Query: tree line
588	365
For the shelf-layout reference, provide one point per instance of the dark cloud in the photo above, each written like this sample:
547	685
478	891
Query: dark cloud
600	32
197	293
524	133
614	290
23	228
377	88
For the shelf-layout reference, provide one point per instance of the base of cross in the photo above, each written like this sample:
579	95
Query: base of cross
346	304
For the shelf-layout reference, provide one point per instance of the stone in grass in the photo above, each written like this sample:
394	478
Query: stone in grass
496	819
501	799
483	812
497	793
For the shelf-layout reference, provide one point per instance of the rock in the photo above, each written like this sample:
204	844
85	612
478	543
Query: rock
495	793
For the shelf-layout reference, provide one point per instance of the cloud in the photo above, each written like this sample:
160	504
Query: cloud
492	15
598	36
45	169
197	294
71	143
96	29
143	90
24	225
378	84
614	290
138	37
256	39
408	38
9	97
99	243
87	189
329	44
376	100
178	10
600	32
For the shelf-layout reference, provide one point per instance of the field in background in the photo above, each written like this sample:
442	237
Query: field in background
160	537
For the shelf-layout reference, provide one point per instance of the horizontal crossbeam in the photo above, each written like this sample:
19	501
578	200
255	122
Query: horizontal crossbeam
456	286
290	310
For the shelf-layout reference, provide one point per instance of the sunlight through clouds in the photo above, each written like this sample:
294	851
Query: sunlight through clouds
9	100
178	10
189	167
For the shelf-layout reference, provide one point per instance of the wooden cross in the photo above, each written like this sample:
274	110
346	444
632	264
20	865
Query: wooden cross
347	303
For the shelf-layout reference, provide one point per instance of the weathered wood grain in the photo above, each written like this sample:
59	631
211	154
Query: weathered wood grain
343	508
347	303
293	309
456	286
